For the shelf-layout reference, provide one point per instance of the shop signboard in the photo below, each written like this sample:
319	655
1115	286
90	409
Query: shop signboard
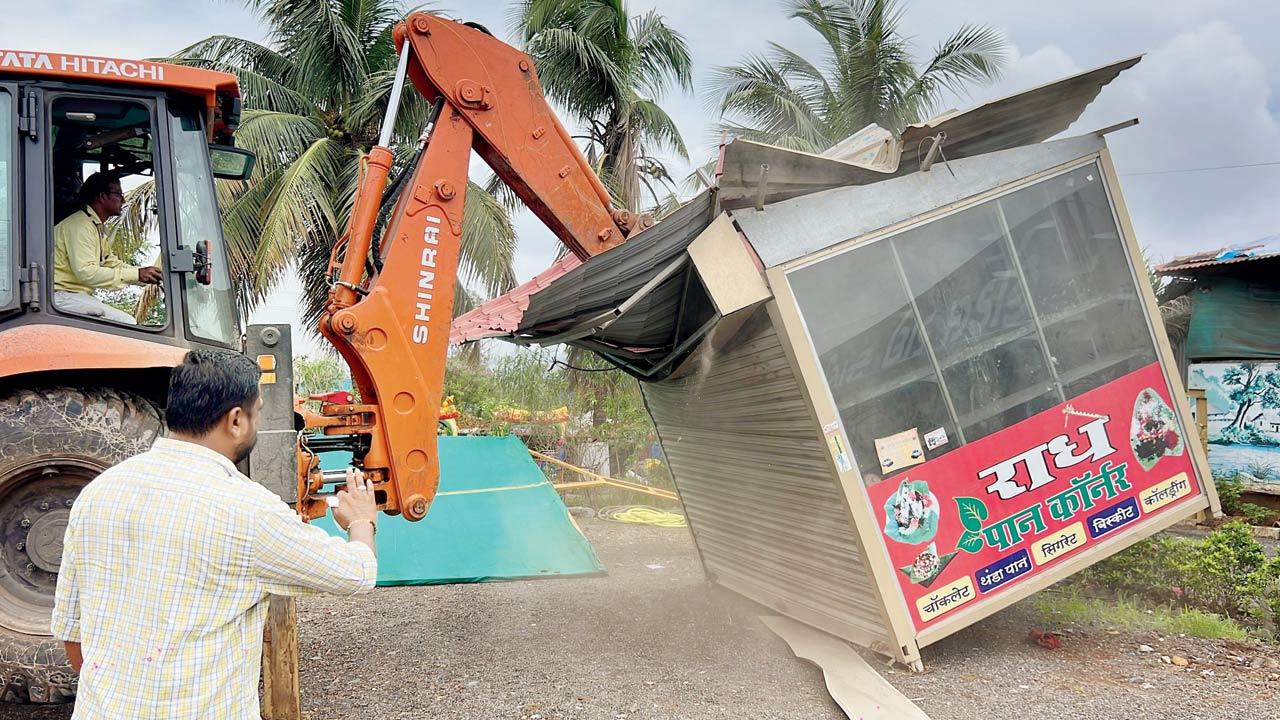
987	516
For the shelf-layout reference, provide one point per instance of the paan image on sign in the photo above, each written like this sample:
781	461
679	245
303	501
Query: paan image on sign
911	514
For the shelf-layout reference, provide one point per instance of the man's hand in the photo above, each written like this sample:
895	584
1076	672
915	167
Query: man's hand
357	504
357	501
151	275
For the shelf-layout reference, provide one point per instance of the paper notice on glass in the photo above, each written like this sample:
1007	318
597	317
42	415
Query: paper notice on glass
936	438
899	450
835	443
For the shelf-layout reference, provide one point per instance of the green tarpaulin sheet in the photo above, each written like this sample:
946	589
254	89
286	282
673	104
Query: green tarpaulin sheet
1235	319
495	517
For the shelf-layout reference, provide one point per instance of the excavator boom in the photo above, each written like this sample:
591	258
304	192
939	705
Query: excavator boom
389	319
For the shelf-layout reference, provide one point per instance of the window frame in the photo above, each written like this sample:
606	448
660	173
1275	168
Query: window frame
14	191
170	108
807	345
154	105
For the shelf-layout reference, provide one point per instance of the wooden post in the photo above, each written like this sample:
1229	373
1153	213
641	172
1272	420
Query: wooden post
281	696
1200	403
273	464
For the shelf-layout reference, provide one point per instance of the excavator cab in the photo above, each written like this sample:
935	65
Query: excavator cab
84	373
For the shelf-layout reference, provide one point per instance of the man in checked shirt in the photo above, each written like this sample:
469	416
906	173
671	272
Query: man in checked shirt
169	557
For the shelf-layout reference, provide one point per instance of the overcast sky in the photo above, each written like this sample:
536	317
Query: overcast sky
1207	92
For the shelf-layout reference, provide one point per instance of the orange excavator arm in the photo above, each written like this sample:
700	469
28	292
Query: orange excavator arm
389	319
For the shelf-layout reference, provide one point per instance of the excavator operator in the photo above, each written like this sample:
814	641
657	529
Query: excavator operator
82	257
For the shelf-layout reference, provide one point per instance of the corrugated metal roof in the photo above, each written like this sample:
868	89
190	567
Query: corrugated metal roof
1023	118
1266	248
572	291
603	281
804	225
791	174
639	304
501	315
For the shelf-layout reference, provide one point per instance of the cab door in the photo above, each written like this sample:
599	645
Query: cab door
10	209
91	130
199	254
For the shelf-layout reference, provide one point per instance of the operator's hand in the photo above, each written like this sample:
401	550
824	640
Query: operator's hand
356	502
151	275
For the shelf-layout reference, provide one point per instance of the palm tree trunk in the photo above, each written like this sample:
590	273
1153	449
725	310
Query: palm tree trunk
628	180
620	161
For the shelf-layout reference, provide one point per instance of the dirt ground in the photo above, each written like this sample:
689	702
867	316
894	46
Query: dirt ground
653	640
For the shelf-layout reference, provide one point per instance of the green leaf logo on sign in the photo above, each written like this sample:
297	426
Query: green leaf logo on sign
970	542
972	513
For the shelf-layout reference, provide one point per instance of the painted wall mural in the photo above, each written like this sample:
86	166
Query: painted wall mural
1244	420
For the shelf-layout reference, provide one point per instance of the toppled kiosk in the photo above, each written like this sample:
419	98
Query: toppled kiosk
902	385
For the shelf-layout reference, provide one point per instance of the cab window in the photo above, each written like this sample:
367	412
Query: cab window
210	307
106	254
7	181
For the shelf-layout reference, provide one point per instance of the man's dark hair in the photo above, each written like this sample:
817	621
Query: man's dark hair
95	185
206	386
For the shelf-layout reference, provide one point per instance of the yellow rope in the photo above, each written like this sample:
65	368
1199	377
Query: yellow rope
493	489
602	479
643	515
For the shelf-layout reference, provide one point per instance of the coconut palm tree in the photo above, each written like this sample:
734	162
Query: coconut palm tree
609	69
866	75
314	95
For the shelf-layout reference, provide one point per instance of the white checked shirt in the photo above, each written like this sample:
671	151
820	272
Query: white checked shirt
168	558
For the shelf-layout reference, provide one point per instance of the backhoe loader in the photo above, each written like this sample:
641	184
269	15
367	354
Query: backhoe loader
80	392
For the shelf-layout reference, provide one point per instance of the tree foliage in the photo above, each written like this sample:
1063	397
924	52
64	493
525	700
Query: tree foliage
603	407
609	69
315	95
318	375
865	75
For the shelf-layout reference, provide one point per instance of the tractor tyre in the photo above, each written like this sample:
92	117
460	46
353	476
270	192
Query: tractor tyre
53	441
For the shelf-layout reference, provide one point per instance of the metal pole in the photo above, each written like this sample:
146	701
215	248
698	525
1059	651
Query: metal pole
1049	361
924	338
393	105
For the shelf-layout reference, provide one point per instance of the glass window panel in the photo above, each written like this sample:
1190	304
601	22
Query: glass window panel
7	181
92	134
978	319
1078	274
210	309
871	350
982	424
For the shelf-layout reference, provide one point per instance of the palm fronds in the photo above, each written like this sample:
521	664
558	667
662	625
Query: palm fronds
609	69
315	94
865	75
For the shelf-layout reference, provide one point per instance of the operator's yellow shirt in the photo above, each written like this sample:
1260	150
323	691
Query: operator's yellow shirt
82	257
167	562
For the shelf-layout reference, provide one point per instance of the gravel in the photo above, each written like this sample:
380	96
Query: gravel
652	639
993	670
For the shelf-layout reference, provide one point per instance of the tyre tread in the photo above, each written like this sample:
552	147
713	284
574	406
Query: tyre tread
110	425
